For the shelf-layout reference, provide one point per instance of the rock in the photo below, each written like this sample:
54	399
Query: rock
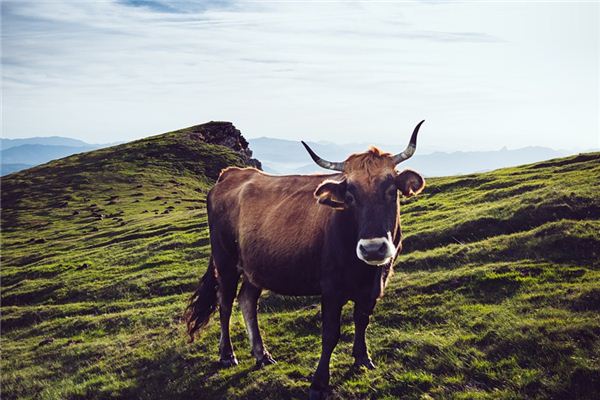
225	134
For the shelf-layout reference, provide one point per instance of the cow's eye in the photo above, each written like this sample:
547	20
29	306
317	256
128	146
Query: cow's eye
391	193
349	198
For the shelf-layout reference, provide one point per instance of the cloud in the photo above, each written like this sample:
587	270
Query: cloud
49	41
178	6
280	68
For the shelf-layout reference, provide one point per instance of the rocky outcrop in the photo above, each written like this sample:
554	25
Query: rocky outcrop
225	134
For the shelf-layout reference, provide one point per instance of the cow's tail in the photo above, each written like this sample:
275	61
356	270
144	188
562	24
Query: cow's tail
203	302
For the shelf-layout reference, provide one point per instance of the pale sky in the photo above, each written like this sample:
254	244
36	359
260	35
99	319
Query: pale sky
484	75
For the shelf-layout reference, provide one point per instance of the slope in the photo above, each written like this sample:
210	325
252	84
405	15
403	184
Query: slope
496	295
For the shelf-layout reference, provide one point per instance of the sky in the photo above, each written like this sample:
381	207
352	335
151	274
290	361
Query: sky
483	74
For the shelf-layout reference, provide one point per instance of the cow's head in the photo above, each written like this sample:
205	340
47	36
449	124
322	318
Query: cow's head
368	190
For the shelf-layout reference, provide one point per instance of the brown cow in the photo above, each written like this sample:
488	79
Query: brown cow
270	231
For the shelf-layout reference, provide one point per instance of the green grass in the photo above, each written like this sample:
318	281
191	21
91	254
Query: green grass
497	294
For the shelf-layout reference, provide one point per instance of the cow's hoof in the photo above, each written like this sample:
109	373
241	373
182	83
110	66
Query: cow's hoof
316	394
267	359
363	362
228	362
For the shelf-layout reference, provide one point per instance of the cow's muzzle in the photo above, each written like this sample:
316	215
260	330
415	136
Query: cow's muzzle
376	251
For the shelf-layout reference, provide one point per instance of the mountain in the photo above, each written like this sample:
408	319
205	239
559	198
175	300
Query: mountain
496	294
289	157
6	169
281	156
34	154
43	140
19	154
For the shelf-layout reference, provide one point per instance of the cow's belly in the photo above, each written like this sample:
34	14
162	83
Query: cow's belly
287	262
294	276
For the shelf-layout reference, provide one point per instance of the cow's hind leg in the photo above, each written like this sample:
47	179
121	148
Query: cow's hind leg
248	299
228	281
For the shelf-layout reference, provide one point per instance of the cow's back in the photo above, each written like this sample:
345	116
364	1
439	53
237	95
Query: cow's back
276	225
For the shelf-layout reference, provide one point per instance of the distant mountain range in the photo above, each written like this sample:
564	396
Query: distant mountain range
280	156
48	140
19	154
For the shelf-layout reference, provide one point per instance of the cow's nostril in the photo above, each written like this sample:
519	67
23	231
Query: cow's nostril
383	248
362	249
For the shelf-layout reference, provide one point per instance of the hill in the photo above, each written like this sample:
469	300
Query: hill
496	295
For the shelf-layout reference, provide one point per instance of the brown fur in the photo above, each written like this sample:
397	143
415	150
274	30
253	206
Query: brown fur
370	163
264	212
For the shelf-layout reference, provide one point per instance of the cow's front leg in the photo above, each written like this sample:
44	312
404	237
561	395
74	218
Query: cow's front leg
331	309
362	313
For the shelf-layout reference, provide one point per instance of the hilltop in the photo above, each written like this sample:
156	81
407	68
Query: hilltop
496	295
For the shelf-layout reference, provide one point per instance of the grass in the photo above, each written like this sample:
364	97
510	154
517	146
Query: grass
497	293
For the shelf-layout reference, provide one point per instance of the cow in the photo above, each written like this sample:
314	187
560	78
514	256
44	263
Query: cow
334	235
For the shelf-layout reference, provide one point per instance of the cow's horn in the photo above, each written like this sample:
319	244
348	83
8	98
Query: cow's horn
410	149
336	166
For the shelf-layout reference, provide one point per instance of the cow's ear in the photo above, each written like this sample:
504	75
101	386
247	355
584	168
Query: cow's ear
332	193
410	182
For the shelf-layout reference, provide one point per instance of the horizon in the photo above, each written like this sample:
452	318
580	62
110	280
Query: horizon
328	142
117	71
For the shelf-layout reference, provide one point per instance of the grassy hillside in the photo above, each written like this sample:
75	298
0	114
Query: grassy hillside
497	294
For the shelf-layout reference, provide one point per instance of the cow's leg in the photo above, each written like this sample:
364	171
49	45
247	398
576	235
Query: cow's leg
248	299
331	310
362	313
228	281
